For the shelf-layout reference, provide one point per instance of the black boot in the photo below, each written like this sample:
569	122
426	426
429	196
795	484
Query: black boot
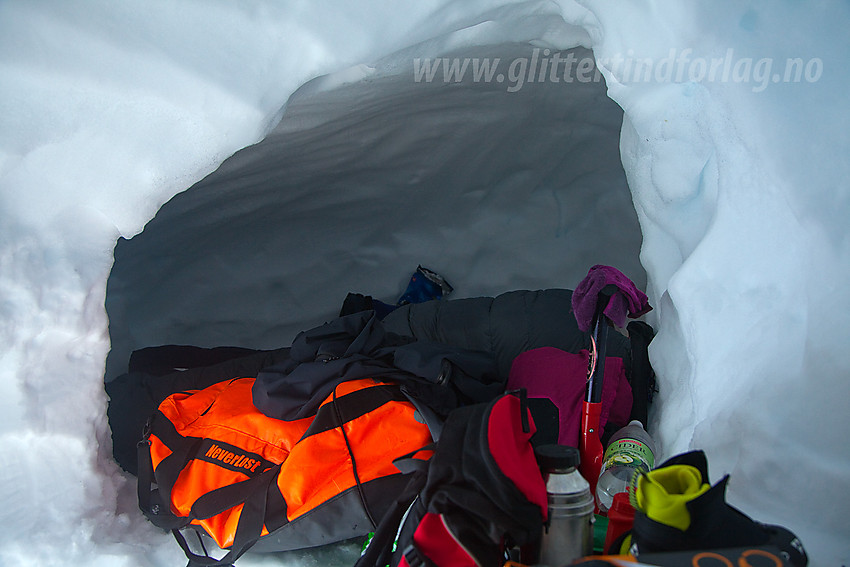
677	510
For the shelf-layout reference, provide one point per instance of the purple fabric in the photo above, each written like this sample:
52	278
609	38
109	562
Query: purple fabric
630	301
548	372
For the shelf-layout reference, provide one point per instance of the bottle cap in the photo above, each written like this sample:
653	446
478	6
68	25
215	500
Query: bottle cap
553	457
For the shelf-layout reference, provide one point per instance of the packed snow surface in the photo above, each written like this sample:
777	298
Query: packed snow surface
700	147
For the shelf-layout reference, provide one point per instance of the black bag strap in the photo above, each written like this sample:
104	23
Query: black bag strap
254	495
407	464
155	504
151	502
226	497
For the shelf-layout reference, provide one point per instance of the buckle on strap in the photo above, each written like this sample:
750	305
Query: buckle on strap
414	557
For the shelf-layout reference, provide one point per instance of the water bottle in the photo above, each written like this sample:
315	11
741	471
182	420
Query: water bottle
630	450
568	534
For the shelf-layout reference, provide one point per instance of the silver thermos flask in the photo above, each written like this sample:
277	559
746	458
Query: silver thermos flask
568	533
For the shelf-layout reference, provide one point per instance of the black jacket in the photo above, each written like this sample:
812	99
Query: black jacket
505	326
355	346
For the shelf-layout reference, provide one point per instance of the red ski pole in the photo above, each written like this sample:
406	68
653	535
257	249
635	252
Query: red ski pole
590	449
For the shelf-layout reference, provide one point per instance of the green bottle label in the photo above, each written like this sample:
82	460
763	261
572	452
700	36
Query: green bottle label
628	452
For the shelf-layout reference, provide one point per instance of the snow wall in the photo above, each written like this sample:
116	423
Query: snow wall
732	141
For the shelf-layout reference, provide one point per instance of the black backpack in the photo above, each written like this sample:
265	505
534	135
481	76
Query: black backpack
481	493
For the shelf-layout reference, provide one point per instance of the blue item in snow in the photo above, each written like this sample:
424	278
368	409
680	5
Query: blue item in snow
424	285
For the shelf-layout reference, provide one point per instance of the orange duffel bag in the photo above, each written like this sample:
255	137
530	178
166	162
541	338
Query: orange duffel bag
211	461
